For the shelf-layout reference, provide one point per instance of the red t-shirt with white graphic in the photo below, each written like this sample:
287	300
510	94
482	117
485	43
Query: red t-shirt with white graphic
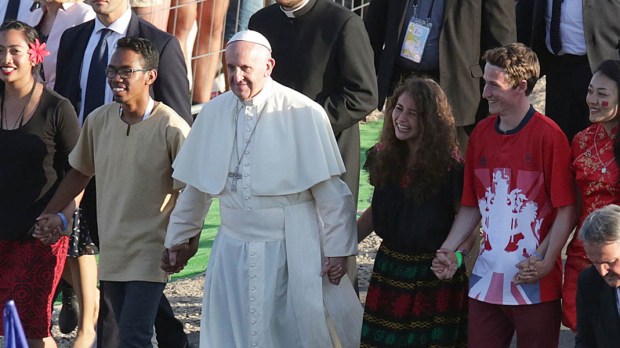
518	179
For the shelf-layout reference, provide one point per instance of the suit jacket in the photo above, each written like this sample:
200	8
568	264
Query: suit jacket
324	53
469	28
598	322
600	25
171	86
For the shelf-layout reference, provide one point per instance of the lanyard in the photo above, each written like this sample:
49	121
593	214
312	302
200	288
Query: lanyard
428	15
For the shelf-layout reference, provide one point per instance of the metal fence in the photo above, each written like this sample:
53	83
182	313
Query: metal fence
202	27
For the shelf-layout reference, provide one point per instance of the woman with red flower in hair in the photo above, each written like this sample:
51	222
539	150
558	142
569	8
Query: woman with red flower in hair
38	129
417	173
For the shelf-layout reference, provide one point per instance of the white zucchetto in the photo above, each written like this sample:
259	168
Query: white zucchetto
250	36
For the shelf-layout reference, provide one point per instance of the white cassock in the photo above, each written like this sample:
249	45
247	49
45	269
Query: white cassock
263	286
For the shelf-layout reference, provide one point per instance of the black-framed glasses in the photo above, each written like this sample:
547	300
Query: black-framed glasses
124	73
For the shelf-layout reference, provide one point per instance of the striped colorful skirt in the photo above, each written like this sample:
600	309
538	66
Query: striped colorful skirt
407	306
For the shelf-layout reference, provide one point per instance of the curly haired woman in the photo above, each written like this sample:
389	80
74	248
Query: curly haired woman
417	173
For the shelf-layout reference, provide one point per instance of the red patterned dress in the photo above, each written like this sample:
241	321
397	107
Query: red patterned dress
33	160
596	176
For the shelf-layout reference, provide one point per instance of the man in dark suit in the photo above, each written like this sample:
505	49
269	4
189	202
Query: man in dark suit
78	46
571	38
171	87
460	32
598	290
322	50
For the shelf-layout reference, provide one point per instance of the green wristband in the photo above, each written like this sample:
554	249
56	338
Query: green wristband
459	258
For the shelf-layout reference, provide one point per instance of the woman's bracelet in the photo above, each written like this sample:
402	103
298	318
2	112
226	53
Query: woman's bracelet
459	258
63	220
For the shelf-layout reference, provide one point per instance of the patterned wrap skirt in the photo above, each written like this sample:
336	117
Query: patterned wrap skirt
407	306
80	242
29	274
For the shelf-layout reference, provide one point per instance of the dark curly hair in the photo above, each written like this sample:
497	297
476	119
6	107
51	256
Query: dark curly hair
438	149
143	47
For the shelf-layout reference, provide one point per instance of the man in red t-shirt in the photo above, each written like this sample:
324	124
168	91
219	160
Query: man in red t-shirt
518	183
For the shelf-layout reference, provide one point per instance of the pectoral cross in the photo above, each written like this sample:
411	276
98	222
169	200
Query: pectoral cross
235	176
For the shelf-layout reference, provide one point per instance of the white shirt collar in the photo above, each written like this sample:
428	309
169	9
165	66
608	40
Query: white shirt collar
290	14
119	26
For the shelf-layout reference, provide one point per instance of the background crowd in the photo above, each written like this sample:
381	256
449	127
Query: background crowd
473	223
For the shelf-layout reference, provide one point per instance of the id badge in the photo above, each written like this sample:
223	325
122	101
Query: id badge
415	40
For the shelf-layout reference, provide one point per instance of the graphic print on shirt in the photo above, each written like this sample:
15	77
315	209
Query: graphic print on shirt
510	234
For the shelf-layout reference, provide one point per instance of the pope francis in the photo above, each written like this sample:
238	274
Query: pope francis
269	155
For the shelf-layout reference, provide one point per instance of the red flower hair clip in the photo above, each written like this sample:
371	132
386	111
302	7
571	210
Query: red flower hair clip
37	51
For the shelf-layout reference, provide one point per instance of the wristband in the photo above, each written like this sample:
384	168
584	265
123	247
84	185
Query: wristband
537	255
459	258
63	220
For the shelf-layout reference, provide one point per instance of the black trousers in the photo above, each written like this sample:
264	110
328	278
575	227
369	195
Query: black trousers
168	329
568	77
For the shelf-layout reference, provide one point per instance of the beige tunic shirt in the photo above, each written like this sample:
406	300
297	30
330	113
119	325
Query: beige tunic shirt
135	189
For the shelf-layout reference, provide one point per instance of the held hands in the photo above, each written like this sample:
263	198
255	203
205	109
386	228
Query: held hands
335	268
173	260
47	228
444	264
532	269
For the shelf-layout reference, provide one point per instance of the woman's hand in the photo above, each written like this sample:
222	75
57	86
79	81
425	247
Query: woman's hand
47	228
444	264
532	270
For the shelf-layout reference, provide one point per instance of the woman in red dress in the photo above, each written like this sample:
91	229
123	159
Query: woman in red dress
38	128
596	155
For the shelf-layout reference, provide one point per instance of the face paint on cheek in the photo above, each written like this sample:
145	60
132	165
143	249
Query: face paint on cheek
605	104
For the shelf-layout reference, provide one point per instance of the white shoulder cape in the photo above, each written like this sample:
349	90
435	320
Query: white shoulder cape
294	145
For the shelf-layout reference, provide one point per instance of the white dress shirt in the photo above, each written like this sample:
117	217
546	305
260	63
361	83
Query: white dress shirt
571	27
22	14
69	15
119	30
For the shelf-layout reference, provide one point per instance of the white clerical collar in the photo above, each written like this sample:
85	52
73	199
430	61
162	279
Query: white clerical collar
119	26
262	96
290	14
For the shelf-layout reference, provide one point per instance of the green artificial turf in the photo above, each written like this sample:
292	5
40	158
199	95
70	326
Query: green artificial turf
369	134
